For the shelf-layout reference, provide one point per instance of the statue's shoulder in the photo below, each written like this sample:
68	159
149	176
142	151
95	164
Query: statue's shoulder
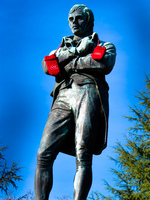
108	45
103	43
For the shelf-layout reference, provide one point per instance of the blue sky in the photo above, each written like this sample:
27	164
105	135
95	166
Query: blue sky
29	31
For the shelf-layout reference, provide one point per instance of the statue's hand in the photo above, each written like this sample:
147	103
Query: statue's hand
61	51
85	45
68	68
64	55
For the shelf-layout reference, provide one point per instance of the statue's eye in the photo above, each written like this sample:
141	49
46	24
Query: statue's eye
70	18
79	17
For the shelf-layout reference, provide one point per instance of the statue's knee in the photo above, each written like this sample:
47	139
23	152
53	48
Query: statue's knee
84	159
40	155
44	159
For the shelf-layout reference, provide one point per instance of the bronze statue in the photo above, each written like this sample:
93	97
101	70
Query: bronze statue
78	121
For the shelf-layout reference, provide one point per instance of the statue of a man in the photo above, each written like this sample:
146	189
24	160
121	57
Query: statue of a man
78	121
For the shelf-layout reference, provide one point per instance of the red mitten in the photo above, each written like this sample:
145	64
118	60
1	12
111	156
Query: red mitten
98	52
52	65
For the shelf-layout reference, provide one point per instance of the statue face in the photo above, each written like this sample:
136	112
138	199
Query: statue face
77	22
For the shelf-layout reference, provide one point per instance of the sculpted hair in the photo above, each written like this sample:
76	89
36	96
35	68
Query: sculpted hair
87	11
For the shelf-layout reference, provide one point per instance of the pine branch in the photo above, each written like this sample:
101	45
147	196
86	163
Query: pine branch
132	176
8	176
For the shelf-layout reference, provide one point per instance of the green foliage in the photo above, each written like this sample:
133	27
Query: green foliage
8	175
132	177
28	196
98	196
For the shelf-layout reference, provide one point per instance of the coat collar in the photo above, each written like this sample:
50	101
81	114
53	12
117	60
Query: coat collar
70	40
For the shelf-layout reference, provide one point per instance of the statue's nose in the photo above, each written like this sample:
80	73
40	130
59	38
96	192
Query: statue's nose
74	20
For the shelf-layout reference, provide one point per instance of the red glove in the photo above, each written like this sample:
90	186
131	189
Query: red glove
98	52
52	65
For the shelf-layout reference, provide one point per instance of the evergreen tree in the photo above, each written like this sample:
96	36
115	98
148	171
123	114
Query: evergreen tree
8	175
132	180
28	196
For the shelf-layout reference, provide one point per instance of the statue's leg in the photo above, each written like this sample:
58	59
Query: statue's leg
87	120
83	177
43	182
55	131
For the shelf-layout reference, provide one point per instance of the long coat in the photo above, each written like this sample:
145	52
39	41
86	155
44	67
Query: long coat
95	70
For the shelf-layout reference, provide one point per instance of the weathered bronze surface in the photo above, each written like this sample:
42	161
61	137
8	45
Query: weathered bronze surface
78	121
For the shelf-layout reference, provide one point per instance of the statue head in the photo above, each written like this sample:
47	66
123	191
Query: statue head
81	20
